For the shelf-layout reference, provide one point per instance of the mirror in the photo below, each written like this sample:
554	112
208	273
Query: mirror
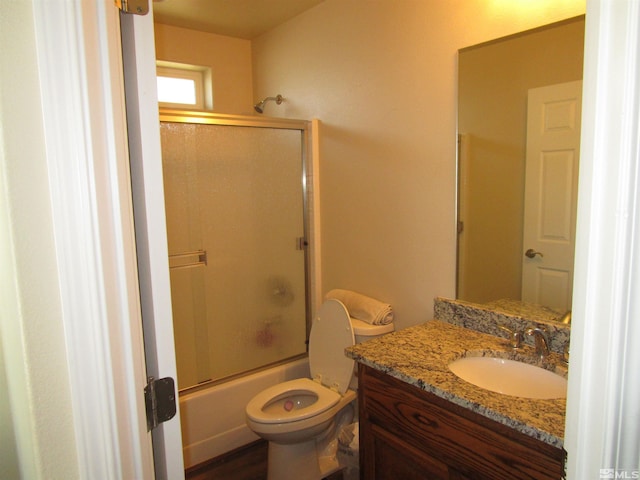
493	84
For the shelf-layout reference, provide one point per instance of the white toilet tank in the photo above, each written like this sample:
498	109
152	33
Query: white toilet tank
364	331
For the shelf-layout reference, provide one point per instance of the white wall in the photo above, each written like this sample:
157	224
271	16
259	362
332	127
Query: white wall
38	398
228	58
381	76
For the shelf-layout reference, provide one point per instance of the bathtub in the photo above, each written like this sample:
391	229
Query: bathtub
213	419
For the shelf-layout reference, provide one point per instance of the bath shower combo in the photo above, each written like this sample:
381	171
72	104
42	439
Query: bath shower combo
239	307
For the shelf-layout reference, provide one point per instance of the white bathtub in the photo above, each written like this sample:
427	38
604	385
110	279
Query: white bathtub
213	419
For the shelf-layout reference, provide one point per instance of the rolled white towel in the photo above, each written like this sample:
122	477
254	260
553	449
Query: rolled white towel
362	307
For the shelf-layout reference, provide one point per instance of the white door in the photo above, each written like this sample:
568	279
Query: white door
552	158
151	239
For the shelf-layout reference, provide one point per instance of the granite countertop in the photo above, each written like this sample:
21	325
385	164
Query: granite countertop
420	356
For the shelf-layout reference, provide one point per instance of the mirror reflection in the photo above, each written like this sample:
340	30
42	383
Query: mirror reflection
518	151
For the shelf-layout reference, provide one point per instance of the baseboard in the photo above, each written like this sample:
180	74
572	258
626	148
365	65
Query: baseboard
217	446
225	457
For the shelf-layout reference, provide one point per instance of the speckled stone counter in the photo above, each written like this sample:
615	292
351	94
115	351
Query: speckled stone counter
420	356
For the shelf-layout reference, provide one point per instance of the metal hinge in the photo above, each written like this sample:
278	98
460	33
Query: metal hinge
160	401
136	7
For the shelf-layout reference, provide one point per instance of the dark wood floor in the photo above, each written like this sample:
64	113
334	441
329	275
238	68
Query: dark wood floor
245	463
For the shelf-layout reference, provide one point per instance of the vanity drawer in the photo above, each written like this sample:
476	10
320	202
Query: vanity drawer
404	427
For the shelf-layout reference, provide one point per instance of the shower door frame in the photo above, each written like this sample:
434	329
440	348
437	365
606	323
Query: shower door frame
310	201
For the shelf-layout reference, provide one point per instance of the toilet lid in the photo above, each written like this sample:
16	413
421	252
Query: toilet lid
331	333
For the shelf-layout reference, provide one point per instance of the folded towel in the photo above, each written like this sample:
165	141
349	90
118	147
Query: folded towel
362	307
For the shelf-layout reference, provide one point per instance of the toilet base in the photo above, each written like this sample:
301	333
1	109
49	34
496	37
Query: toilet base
293	461
313	459
299	462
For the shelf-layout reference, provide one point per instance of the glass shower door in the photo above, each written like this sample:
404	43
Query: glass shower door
235	216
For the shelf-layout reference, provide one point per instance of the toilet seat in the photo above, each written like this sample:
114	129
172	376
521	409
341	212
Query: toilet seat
331	334
331	371
266	406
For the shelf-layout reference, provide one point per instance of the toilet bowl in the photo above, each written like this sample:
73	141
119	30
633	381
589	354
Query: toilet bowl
313	408
301	418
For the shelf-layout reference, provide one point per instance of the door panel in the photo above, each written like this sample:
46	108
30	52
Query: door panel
553	151
244	306
150	227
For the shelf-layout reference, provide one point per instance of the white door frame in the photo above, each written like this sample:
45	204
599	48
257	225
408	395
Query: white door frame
150	226
603	402
80	64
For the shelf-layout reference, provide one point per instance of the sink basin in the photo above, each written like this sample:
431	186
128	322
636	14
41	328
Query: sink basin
510	377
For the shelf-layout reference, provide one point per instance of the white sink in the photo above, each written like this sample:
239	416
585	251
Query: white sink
510	377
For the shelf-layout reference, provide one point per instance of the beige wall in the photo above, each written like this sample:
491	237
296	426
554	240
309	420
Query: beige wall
37	404
229	60
494	80
381	76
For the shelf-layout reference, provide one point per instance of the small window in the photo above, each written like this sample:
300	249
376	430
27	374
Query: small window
176	90
181	86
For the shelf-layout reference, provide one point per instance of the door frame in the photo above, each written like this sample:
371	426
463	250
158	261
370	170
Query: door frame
603	392
143	126
84	118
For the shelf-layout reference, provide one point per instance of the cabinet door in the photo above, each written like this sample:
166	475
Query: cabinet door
388	457
404	429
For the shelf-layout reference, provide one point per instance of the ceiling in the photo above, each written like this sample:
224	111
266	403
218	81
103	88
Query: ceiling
234	18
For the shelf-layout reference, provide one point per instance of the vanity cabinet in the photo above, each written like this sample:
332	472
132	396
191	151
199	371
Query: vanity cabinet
408	433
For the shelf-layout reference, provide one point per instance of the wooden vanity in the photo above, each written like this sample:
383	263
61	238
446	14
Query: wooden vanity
418	420
408	433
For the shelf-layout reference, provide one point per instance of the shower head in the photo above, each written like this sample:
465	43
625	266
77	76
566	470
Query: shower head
259	107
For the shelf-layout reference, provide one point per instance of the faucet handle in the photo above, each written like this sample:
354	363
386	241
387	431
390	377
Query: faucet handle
565	353
515	338
539	330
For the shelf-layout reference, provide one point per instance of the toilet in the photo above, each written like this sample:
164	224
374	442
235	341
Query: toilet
301	418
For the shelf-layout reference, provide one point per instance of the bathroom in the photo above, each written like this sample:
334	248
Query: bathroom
375	91
47	333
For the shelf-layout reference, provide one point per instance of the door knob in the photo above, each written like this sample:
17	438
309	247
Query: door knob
532	253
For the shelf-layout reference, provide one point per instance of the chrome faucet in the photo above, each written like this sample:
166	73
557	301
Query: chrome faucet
515	337
541	338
